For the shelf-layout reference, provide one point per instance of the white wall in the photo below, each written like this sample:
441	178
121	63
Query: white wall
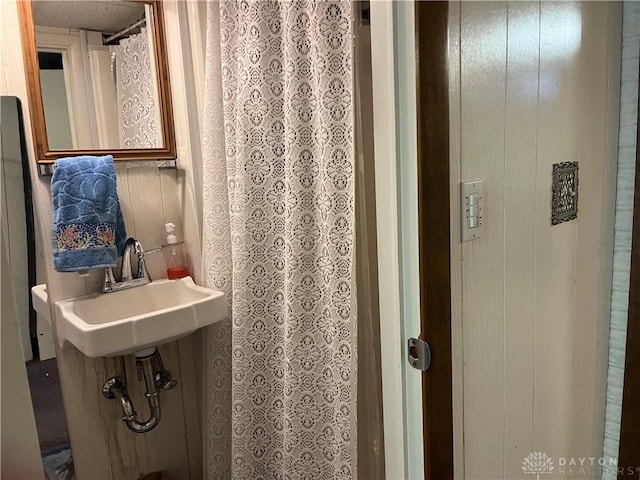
532	84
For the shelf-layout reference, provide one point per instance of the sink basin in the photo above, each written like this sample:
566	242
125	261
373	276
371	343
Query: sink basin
40	301
129	321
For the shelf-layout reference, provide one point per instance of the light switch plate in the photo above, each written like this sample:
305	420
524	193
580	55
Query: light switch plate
471	210
564	192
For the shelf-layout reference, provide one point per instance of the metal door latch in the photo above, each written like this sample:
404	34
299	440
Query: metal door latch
419	354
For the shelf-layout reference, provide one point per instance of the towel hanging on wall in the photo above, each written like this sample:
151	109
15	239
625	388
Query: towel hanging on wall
88	227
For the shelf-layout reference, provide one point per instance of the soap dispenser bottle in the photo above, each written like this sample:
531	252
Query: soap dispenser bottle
174	255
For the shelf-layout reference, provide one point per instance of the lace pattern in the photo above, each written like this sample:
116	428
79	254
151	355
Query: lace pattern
138	119
279	240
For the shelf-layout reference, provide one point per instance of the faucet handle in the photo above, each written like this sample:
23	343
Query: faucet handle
109	280
142	267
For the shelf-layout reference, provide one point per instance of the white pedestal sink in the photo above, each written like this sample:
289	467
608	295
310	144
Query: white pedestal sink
128	321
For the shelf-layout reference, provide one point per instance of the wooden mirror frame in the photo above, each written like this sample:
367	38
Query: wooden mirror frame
36	106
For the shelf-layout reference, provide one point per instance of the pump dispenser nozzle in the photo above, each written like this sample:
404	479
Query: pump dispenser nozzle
171	238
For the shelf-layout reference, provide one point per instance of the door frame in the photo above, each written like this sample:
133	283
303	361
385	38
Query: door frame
434	220
412	217
401	396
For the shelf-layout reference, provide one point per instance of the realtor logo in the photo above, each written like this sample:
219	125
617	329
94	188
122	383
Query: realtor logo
537	463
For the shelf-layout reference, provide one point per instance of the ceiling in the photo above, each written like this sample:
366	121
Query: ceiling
106	16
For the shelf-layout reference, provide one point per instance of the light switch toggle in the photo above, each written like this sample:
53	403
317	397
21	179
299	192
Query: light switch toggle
471	209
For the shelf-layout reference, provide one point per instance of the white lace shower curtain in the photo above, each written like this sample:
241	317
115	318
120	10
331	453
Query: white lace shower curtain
136	90
279	240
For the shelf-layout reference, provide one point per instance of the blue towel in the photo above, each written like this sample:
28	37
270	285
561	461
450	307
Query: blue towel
88	227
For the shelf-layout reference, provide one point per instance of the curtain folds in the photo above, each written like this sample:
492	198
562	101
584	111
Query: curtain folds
279	239
138	113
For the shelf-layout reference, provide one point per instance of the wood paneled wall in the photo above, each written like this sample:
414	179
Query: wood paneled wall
532	84
103	448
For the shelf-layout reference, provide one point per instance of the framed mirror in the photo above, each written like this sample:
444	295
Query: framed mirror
97	79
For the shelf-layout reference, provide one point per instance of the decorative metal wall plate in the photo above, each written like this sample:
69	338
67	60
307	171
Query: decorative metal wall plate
564	192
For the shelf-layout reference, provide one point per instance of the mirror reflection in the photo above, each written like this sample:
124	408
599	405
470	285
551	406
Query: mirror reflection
98	74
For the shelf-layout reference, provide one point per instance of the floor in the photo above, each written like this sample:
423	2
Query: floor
51	421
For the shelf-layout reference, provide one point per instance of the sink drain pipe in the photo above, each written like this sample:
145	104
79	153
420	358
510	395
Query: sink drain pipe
155	377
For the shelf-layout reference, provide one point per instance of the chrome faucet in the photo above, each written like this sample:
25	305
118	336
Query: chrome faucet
127	278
